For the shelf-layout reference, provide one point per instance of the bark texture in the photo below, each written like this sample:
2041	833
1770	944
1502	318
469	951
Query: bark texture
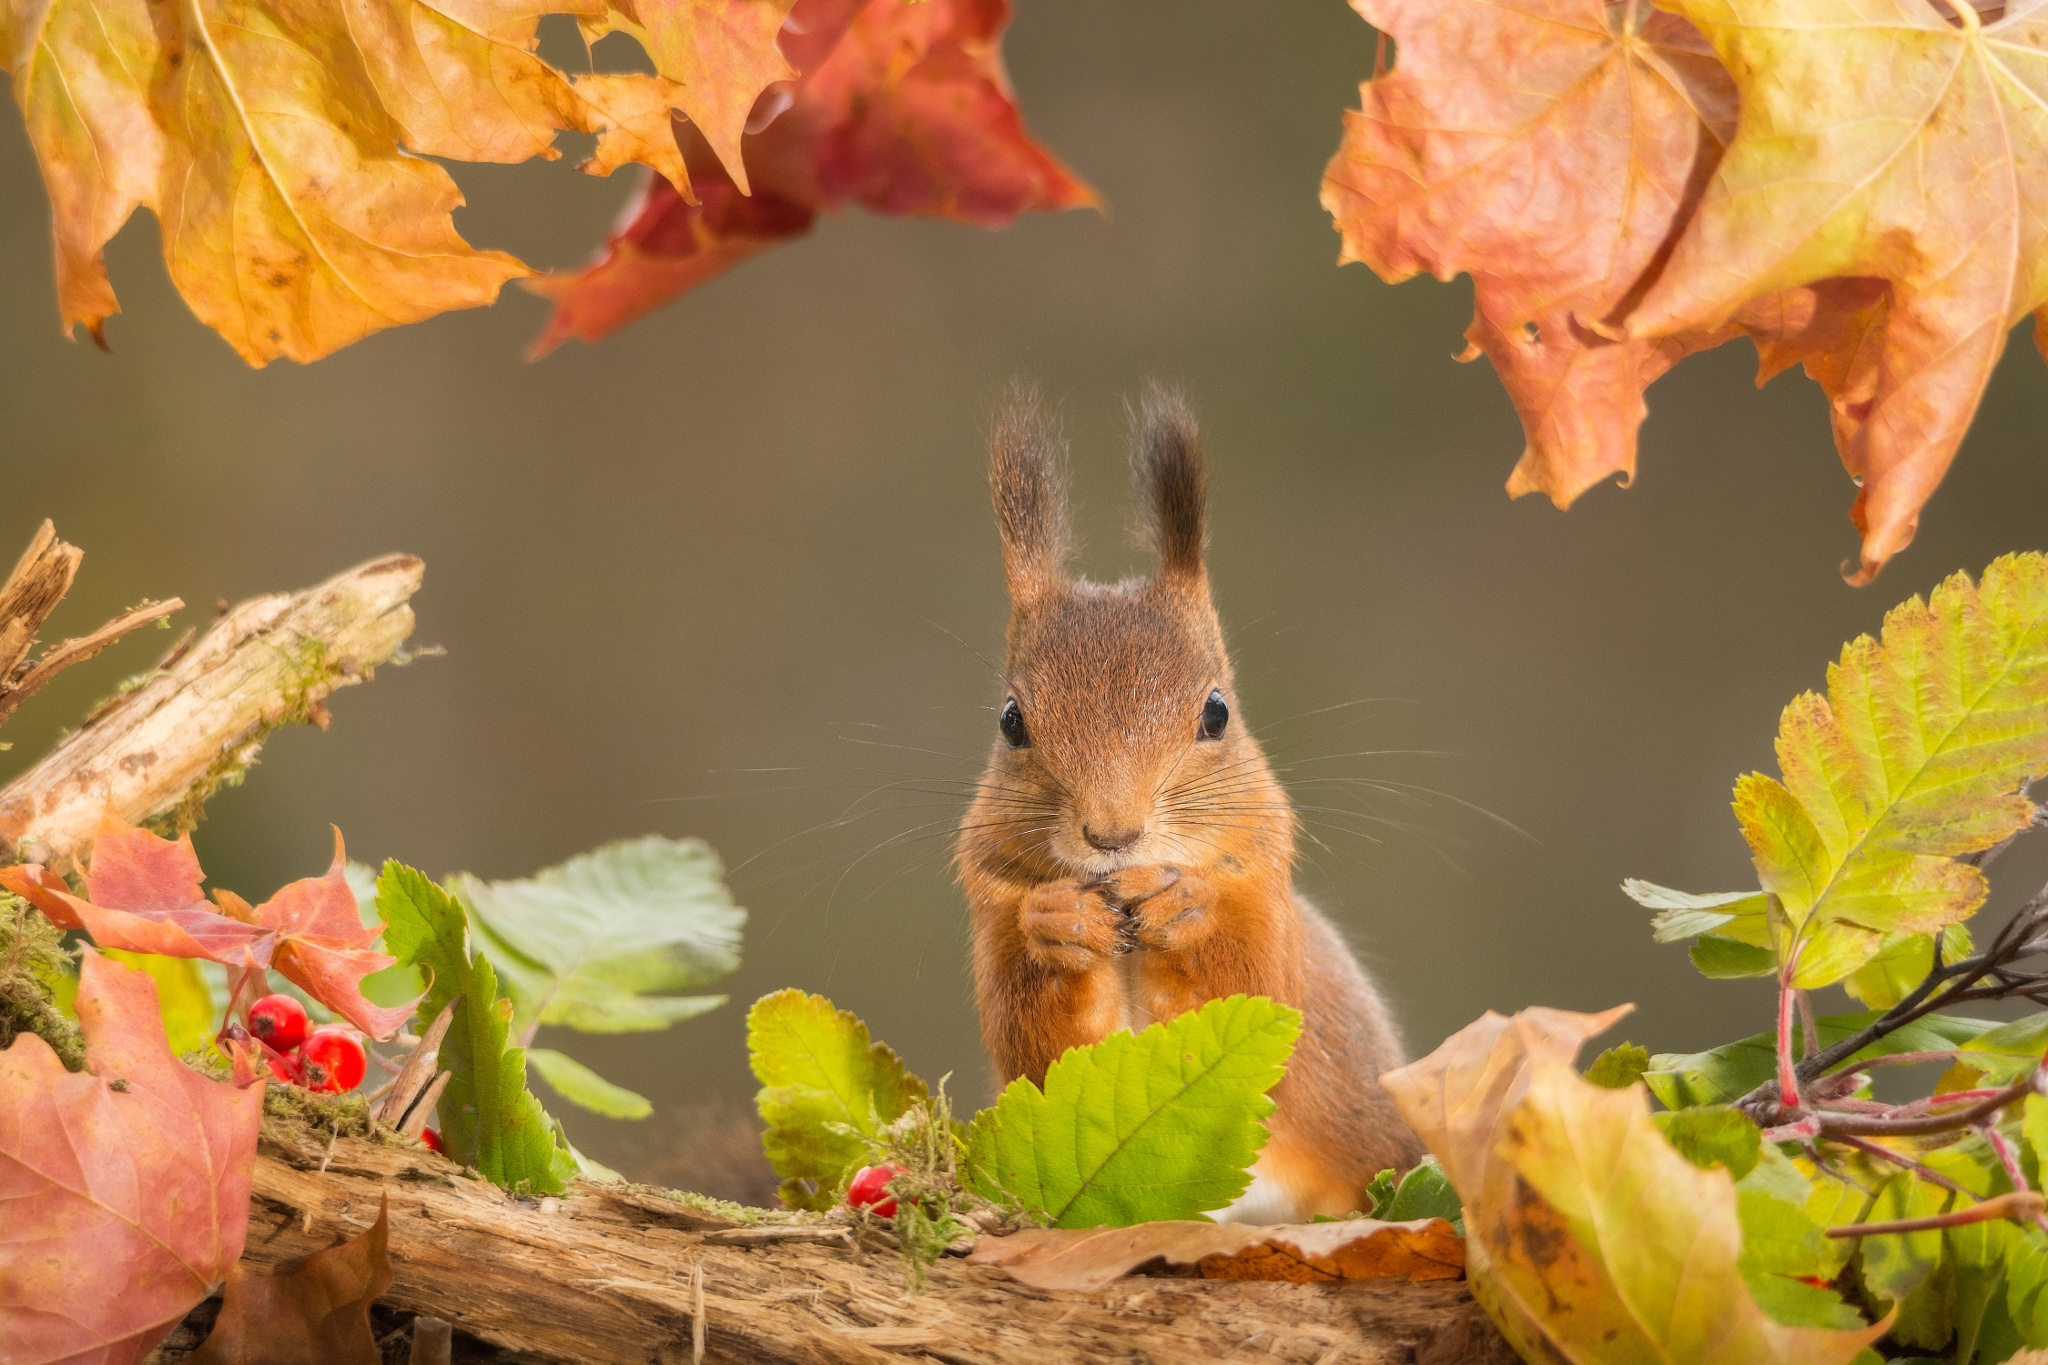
198	720
607	1276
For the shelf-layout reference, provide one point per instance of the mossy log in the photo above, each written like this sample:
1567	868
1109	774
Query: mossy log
160	748
611	1275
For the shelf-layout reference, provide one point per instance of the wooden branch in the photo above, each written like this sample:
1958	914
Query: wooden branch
201	718
40	579
605	1276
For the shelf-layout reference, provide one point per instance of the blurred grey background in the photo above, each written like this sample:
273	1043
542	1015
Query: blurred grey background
728	573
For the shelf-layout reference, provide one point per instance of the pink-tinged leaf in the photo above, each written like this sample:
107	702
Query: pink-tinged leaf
903	109
191	931
124	1207
133	869
310	931
323	946
43	889
916	116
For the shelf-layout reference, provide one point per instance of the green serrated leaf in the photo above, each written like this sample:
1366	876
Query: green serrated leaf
1902	963
1682	915
579	1085
598	943
827	1089
1712	1135
1917	754
1724	959
1379	1196
489	1119
1425	1192
1620	1066
393	985
1725	1074
2001	1055
1784	1249
1162	1124
1895	1265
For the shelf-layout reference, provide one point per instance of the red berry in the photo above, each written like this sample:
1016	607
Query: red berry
286	1066
431	1138
334	1058
870	1190
278	1020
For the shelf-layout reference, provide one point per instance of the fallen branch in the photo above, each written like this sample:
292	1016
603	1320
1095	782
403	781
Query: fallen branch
40	579
610	1275
197	722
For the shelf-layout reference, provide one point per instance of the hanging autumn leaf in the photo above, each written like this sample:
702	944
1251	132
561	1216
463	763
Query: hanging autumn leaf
132	1177
143	895
902	108
1891	142
717	55
1550	149
1586	164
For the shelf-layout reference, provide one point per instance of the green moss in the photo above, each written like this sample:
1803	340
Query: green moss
32	956
932	1205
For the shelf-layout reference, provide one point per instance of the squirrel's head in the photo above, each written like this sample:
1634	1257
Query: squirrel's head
1118	741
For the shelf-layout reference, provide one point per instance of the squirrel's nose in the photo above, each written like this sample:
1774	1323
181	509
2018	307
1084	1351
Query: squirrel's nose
1111	840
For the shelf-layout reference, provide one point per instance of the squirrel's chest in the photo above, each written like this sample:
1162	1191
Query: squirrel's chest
1153	986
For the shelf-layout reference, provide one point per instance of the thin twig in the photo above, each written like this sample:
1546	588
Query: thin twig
2020	1204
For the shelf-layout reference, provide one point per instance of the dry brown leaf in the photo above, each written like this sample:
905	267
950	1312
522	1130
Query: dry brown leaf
1352	1249
318	1314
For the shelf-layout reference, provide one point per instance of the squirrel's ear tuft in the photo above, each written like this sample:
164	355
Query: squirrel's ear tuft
1027	477
1172	482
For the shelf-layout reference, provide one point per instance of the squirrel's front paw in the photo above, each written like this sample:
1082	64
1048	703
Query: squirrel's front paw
1165	907
1069	927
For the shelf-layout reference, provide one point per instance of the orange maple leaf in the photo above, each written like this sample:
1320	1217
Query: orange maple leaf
901	108
126	1187
143	896
1552	149
1883	141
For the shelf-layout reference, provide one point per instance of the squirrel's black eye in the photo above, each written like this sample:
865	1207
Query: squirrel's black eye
1012	725
1215	715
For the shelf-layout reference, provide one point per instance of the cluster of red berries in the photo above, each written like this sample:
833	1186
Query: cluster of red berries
328	1058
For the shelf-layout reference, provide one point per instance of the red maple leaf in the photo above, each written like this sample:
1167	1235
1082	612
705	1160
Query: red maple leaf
903	109
142	895
126	1187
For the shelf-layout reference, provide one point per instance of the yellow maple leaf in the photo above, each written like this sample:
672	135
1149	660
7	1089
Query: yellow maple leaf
720	54
1588	1237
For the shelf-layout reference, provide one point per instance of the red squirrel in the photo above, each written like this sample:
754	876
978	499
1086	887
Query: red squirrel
1129	854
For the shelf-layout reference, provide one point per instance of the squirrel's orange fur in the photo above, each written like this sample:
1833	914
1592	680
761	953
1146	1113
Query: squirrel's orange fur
1121	864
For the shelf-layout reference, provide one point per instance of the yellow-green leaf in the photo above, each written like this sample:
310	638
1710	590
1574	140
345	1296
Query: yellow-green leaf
1590	1239
1916	755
